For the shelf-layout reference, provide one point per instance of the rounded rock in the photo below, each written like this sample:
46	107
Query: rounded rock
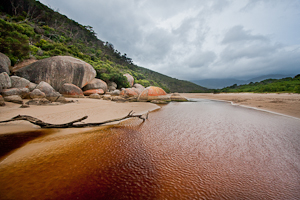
58	70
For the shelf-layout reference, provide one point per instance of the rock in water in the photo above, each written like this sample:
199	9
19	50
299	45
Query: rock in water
58	70
177	97
4	63
130	79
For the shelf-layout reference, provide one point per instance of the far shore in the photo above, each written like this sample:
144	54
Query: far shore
283	103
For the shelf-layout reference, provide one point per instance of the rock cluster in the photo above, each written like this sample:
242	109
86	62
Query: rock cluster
53	79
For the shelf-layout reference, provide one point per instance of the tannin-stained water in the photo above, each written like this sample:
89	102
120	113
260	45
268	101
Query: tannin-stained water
192	150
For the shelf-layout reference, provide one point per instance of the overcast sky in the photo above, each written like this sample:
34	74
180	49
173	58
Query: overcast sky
197	39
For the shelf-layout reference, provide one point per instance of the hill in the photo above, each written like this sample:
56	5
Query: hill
288	84
29	29
221	83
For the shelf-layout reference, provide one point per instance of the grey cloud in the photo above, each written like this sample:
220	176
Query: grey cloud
154	46
201	59
193	48
234	52
238	34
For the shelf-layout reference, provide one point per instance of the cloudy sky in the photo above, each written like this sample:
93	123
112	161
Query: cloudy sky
197	39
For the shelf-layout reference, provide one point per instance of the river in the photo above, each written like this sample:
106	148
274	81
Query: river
190	150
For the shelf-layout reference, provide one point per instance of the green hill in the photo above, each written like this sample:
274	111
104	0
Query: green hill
290	85
29	29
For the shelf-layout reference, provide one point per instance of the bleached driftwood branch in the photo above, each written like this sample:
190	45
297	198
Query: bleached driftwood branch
71	124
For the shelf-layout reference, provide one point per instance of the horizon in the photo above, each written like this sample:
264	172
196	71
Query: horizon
195	40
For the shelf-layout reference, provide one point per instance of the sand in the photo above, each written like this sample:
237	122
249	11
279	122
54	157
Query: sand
96	110
282	103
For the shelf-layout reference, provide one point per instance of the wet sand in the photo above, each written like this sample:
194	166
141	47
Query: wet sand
283	103
16	136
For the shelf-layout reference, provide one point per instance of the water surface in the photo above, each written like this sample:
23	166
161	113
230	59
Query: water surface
192	150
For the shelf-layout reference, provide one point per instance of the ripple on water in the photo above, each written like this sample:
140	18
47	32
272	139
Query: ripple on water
198	150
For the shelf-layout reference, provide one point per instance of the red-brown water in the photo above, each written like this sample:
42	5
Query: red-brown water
192	150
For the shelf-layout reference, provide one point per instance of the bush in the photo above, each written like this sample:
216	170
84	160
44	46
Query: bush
144	83
13	42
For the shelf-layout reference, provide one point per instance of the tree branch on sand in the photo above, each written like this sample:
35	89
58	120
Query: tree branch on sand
71	124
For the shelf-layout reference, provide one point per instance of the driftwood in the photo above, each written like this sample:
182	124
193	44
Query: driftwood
71	124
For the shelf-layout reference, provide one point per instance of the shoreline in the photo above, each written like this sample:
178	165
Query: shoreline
286	104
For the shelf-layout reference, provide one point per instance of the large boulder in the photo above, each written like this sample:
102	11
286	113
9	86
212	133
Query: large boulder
5	81
58	70
130	79
4	63
49	91
19	82
95	84
93	91
71	90
153	93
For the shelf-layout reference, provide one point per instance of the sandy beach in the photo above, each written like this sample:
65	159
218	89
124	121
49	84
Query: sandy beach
283	103
96	110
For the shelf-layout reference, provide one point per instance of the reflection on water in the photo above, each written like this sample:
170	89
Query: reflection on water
192	150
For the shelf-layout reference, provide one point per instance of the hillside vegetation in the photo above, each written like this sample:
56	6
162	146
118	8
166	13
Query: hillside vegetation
29	29
291	85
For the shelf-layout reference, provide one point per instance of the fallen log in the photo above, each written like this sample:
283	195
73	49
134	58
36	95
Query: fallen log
71	124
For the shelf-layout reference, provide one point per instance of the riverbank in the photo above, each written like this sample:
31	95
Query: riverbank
96	110
283	103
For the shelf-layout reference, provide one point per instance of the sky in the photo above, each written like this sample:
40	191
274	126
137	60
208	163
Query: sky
197	39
